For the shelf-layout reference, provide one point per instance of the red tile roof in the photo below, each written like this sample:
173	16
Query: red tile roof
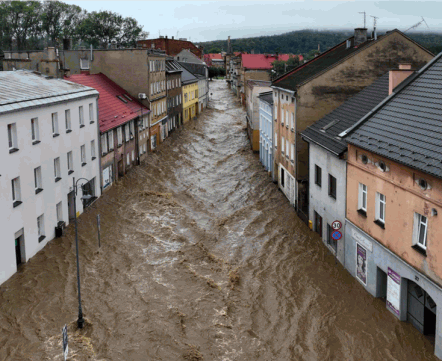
112	111
263	61
213	56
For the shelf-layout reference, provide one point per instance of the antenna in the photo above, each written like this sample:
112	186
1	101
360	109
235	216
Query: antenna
177	33
417	24
374	27
363	12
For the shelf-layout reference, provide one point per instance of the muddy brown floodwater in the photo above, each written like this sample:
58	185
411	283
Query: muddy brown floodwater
202	258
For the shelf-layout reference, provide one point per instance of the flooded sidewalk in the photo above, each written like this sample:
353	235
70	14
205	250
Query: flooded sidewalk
201	258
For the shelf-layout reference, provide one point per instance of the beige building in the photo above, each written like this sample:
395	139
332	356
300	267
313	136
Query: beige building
312	90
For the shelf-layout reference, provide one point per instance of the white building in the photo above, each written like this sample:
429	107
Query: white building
203	89
328	165
266	131
48	135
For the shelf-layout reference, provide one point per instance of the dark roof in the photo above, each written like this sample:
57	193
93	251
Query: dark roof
194	68
346	116
267	97
187	77
292	79
172	66
408	127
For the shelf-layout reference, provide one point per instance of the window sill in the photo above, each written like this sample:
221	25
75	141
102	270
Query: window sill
119	145
41	238
83	164
93	158
293	130
16	204
68	130
70	172
380	223
332	196
82	125
13	150
420	250
38	190
103	154
362	213
92	122
35	142
55	135
57	179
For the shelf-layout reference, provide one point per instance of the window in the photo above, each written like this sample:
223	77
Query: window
282	178
59	209
16	197
276	141
282	145
128	159
380	208
332	186
35	131
420	231
362	199
127	132
318	175
132	129
70	163
83	155
119	136
37	180
55	125
133	155
67	117
153	141
287	148
292	122
110	139
57	173
80	113
282	116
330	241
292	154
287	117
93	149
84	64
91	113
41	228
318	223
104	148
12	138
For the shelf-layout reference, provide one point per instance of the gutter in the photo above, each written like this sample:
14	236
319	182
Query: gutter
292	92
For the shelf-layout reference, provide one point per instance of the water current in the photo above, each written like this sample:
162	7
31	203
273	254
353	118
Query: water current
201	258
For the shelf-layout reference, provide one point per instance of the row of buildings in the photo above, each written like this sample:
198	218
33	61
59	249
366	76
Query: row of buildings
352	138
73	122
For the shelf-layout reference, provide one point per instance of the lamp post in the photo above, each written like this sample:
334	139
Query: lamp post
80	321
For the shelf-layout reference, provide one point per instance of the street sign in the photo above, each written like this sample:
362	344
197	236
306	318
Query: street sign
336	235
65	342
336	225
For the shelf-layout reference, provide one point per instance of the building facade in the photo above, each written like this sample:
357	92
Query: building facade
190	95
174	94
172	46
49	136
266	130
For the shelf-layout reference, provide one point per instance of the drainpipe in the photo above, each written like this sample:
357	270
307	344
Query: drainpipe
296	154
99	147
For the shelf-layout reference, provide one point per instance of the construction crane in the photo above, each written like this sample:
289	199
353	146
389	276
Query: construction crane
363	12
416	25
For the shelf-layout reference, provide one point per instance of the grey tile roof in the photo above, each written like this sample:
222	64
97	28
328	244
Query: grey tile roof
23	89
187	77
267	97
172	66
194	68
408	127
345	116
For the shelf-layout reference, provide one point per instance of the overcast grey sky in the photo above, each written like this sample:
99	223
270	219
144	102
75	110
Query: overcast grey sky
214	20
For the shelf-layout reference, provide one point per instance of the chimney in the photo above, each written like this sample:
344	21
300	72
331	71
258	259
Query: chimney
173	38
166	36
360	36
51	53
229	49
397	76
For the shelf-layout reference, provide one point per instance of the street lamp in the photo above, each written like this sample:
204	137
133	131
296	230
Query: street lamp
80	321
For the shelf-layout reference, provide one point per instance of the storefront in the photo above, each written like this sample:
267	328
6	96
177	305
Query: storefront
409	295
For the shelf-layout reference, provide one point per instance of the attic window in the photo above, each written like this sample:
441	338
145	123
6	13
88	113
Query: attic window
364	159
127	97
423	183
122	99
382	166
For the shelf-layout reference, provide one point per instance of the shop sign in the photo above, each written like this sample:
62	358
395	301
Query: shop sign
362	240
361	263
393	291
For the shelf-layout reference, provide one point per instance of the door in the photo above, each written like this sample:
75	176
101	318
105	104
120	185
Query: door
318	224
120	168
18	251
421	309
71	205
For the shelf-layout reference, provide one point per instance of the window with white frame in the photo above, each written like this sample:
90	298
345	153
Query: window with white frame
119	136
132	129
420	228
292	122
84	64
16	194
133	155
287	148
104	147
91	113
83	154
380	207
35	131
292	153
128	159
110	139
81	116
55	124
37	180
282	145
362	197
67	117
12	137
41	228
70	163
59	209
126	132
276	140
57	171
282	116
93	149
287	117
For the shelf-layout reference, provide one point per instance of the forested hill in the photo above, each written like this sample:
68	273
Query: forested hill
305	41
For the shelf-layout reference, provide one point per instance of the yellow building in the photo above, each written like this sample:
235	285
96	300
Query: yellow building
190	95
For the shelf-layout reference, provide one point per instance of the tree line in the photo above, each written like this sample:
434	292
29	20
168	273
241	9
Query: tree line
35	25
307	41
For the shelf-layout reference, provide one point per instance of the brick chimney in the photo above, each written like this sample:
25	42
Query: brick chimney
397	76
360	36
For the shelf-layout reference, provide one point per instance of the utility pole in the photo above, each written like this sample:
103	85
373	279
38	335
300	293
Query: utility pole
363	12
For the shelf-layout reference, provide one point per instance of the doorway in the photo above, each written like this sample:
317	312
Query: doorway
318	224
20	255
71	205
421	309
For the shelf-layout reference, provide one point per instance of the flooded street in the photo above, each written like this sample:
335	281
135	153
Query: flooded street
201	258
